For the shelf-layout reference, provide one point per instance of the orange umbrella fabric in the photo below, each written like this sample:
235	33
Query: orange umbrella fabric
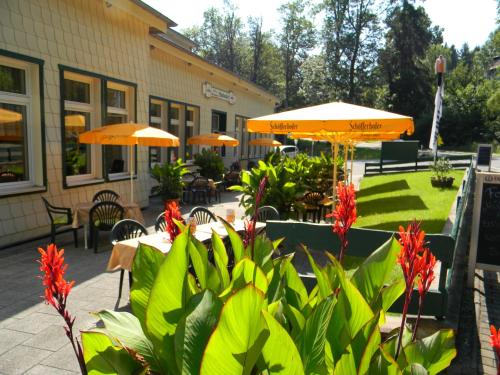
332	118
266	142
213	139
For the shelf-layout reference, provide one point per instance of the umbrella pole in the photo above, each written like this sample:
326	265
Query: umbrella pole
131	169
346	156
335	150
352	159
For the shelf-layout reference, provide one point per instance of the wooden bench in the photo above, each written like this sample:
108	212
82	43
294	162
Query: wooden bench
319	237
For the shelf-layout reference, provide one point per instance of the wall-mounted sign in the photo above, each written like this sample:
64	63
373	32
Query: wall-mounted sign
213	92
485	238
483	156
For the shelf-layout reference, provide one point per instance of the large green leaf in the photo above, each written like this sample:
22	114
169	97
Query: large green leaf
246	272
194	330
346	363
295	318
168	298
126	330
389	294
199	258
276	284
366	344
239	337
221	259
312	340
279	354
434	352
263	252
383	364
102	357
236	242
375	271
325	289
296	292
147	262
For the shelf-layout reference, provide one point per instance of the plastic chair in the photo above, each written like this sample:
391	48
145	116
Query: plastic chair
311	206
59	217
160	224
187	179
202	215
125	230
268	213
105	196
103	216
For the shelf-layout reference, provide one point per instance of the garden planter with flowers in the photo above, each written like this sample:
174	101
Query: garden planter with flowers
192	316
441	178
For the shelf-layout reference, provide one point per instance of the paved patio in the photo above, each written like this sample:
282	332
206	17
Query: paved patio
32	339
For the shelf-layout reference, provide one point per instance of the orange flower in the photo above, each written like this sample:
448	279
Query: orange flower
344	214
172	212
427	264
52	265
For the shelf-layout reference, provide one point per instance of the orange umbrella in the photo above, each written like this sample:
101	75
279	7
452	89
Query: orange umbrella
130	134
9	116
266	142
213	139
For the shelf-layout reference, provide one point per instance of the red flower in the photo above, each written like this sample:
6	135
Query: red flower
427	264
172	212
249	232
57	290
52	265
412	245
344	214
495	344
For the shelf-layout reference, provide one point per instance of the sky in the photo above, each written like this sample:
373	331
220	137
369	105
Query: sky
463	21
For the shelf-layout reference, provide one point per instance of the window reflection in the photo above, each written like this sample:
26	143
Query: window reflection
77	154
12	80
13	143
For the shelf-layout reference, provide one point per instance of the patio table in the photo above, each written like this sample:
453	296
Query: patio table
122	255
81	215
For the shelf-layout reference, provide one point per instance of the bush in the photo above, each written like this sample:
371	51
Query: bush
210	163
258	319
169	177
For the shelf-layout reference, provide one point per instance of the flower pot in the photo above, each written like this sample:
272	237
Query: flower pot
445	182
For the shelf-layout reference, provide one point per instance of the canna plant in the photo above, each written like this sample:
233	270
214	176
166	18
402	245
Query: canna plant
258	319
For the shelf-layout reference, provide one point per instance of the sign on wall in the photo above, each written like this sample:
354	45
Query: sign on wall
483	155
213	92
485	240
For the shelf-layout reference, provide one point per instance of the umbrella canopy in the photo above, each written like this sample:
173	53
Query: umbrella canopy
331	118
75	121
130	134
7	116
266	142
354	137
213	139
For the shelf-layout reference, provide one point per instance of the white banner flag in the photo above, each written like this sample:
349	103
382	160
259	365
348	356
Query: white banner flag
438	110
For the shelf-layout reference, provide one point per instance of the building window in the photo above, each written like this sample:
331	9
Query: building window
119	109
191	129
219	121
155	120
21	160
80	95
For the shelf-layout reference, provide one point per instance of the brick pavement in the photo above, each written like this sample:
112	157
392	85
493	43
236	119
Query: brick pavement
32	339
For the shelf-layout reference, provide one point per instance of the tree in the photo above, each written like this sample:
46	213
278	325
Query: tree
351	33
295	40
220	39
408	37
315	88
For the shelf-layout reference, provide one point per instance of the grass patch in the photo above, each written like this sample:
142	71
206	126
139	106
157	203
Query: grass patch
387	201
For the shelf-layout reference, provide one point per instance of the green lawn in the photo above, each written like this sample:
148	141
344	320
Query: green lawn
387	201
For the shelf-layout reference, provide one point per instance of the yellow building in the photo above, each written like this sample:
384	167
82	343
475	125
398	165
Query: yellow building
67	66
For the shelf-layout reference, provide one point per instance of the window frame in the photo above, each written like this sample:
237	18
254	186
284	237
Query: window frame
35	117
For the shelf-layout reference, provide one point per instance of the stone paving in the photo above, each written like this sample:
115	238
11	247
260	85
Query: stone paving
32	339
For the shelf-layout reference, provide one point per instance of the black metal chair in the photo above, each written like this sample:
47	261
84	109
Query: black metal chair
199	188
125	230
187	180
202	215
59	217
160	224
311	206
268	213
102	217
105	196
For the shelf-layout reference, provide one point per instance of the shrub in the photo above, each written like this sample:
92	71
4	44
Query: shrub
258	319
169	177
210	163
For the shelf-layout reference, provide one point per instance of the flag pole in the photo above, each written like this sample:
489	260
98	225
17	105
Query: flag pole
439	68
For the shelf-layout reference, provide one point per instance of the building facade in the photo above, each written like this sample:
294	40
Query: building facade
68	66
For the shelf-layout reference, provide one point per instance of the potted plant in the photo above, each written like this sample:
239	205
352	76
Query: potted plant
210	163
169	177
441	178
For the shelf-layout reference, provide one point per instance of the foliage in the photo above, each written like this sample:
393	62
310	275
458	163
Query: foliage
257	319
169	178
441	168
210	163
